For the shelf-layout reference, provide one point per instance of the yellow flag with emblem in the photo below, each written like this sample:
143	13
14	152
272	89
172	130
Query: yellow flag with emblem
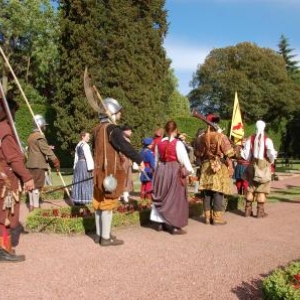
237	127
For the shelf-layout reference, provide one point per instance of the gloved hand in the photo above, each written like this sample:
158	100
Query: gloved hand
56	164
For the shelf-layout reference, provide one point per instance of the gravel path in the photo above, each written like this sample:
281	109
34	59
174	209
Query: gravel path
210	262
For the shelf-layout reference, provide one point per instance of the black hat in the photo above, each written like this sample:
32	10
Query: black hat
126	127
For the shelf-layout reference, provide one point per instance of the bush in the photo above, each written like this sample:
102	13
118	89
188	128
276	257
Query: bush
283	283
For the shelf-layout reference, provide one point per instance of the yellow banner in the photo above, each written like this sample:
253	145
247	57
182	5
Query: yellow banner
237	127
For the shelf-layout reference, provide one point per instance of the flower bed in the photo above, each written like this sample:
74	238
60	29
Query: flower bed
283	283
78	219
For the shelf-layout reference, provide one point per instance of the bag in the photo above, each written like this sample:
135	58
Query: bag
215	164
262	171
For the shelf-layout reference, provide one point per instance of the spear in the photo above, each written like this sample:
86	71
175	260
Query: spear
30	109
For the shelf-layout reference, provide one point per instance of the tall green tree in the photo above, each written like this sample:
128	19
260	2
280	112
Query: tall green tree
178	105
292	65
121	43
28	38
258	75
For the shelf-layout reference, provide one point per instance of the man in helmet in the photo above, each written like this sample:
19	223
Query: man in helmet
39	154
12	172
109	144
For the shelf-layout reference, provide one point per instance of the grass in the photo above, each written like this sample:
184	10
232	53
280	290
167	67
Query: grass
291	194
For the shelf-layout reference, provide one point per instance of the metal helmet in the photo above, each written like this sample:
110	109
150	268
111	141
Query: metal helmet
39	120
112	105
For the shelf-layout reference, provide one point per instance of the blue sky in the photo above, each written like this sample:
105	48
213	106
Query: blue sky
198	26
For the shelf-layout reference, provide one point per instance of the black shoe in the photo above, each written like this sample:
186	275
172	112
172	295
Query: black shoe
178	231
96	238
157	226
7	257
110	242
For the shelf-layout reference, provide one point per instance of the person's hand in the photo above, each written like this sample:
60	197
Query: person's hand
29	185
56	164
142	166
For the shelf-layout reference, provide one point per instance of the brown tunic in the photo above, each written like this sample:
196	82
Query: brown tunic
108	146
12	161
214	145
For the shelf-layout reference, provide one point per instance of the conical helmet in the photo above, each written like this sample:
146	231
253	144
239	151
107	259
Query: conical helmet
40	121
112	105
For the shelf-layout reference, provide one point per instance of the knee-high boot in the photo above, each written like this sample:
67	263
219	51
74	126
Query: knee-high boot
218	218
261	210
208	217
248	209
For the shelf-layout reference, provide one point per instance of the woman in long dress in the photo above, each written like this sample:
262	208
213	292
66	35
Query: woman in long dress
170	207
82	191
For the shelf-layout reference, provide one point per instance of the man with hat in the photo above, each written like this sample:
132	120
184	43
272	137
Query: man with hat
13	173
109	174
214	151
149	161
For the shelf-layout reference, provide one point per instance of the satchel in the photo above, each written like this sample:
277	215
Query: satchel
215	164
262	172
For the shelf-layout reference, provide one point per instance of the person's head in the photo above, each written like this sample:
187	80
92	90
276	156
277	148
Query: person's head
39	121
13	106
85	136
171	128
182	136
147	142
127	130
159	132
114	108
260	126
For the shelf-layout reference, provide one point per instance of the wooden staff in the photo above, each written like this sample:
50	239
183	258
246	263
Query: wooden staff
30	109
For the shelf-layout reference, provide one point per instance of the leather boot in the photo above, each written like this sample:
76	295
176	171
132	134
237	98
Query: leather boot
248	209
261	210
208	218
218	218
8	257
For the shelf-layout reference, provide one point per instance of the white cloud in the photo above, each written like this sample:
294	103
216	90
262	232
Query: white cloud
184	56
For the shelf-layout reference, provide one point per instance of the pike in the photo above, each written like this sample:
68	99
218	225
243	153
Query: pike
9	117
30	109
71	184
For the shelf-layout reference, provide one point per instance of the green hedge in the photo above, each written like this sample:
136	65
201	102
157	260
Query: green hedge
283	283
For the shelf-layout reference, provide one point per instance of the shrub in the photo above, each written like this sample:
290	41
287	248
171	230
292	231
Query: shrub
283	283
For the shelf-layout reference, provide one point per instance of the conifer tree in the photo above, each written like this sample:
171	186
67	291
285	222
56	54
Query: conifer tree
121	43
286	52
78	47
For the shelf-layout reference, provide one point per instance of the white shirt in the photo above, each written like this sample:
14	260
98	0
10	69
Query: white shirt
87	154
271	152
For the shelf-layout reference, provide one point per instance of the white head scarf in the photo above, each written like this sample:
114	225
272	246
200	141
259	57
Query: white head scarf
259	141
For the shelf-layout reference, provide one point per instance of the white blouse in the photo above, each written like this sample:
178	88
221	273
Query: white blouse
87	154
246	152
